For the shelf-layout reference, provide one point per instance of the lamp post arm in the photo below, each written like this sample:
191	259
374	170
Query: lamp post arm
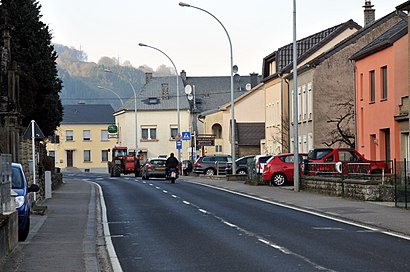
104	88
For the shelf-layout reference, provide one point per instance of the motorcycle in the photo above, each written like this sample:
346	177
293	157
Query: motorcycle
172	174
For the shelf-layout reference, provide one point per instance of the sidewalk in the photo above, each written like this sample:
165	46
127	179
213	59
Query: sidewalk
65	238
379	215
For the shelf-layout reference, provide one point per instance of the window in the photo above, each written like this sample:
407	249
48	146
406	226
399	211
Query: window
149	133
104	155
87	155
104	135
52	153
218	148
174	132
372	87
86	135
384	82
69	135
217	131
361	87
299	104
303	102
310	101
291	107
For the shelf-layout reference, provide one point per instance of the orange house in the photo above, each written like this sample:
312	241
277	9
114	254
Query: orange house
381	78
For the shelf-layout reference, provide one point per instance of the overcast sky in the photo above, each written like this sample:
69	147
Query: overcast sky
191	38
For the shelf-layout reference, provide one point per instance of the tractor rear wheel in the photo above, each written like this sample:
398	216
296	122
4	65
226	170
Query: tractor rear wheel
117	171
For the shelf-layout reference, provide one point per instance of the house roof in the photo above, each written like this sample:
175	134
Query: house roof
305	47
385	40
250	133
352	39
213	92
88	114
150	97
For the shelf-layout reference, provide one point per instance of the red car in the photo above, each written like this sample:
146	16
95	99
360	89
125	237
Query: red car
279	169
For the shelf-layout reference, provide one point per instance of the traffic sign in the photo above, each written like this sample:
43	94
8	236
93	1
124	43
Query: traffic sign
186	135
178	144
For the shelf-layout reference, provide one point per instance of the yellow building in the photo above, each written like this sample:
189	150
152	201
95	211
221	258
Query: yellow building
82	141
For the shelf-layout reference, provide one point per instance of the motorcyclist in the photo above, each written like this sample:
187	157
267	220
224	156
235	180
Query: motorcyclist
171	162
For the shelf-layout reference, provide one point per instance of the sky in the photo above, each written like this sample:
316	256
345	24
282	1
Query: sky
191	38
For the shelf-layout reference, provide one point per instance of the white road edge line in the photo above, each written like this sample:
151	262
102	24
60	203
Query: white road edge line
115	264
345	221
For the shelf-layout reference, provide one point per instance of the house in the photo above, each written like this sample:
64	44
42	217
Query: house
276	67
326	89
155	132
157	115
249	124
82	140
381	76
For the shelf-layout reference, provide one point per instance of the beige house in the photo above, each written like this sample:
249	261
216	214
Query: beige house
82	140
278	89
250	121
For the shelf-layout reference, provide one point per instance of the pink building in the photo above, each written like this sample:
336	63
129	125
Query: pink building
381	78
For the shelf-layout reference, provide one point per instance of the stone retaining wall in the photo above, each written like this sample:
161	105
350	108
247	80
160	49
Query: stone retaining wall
367	190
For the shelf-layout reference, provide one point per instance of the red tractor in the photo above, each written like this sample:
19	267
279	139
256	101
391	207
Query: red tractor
123	163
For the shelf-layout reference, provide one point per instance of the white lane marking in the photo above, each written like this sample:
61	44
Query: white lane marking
117	236
326	228
156	187
151	184
230	224
186	202
202	211
345	221
174	196
269	243
164	191
144	182
115	264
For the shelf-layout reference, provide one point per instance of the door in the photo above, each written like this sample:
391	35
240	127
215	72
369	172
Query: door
70	155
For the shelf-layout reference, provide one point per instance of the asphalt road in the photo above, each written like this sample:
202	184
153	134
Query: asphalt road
158	226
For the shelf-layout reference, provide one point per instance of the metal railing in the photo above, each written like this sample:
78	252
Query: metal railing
402	183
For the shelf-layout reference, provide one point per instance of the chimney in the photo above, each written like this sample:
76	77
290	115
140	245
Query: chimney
164	91
148	77
254	79
183	75
369	13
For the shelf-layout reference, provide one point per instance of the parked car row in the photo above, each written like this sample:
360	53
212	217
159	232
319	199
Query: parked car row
278	170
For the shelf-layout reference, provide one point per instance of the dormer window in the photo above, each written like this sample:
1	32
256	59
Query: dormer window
153	100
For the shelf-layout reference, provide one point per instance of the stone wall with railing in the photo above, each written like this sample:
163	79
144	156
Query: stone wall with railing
368	190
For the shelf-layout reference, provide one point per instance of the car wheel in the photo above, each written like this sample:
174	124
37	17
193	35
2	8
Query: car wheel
241	172
278	179
22	234
210	172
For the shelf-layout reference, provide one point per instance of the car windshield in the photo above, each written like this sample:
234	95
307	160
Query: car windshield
17	179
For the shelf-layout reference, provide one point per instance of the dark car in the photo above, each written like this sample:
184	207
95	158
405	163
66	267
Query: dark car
22	198
211	165
280	168
241	165
153	168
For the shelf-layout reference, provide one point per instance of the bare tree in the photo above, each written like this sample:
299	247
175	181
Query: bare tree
164	70
342	133
281	134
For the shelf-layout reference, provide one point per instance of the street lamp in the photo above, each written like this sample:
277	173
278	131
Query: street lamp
295	107
135	112
232	96
108	89
176	72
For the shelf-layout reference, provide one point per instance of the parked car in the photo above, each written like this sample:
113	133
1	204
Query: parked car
211	165
154	167
279	169
355	161
23	200
260	161
241	165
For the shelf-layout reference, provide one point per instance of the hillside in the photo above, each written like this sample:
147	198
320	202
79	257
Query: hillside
81	78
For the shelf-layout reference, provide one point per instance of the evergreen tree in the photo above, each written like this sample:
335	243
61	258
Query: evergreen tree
33	51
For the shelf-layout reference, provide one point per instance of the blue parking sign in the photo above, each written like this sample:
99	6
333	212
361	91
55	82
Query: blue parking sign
178	144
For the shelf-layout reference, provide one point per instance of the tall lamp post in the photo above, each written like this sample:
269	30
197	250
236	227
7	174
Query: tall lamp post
295	106
135	112
232	96
176	72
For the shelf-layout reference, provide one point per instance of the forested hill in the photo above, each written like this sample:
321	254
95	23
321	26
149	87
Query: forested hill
81	78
